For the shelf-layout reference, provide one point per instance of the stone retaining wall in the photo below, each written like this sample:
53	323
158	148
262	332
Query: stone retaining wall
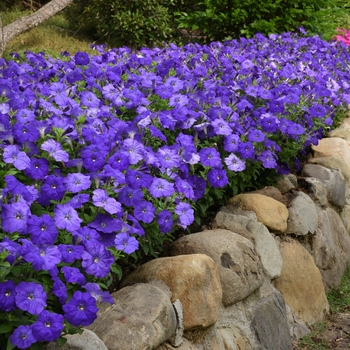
256	281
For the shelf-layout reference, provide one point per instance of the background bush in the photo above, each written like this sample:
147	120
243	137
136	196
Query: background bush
137	23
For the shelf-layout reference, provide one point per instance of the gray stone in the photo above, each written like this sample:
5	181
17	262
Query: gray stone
333	163
303	216
331	248
332	179
234	223
267	249
239	266
316	190
270	324
142	317
88	340
287	183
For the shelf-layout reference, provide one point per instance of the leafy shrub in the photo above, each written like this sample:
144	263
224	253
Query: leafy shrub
133	23
103	157
218	19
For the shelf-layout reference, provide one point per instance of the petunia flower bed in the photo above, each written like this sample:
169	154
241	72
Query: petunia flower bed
104	157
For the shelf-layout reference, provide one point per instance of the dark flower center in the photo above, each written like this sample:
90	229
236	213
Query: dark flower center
96	260
30	296
18	216
8	293
43	227
81	307
47	324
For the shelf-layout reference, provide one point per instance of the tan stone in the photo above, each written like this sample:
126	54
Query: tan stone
301	283
193	279
271	213
343	132
332	147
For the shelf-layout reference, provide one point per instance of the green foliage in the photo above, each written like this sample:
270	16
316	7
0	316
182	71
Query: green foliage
339	298
133	23
218	19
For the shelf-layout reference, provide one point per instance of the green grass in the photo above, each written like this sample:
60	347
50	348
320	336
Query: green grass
53	36
339	301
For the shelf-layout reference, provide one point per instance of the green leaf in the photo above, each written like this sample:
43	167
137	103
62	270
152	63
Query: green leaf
5	328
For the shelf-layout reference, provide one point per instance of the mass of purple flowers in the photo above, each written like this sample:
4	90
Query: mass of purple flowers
103	155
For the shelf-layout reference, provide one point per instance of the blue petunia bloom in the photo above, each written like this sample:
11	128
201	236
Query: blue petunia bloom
217	178
59	289
42	229
105	223
51	189
210	157
267	159
12	155
137	179
7	296
73	275
22	337
144	211
44	257
81	309
96	292
126	243
234	163
38	169
55	150
246	150
30	297
161	188
70	252
66	218
185	213
97	260
48	326
100	198
165	221
76	182
14	217
81	59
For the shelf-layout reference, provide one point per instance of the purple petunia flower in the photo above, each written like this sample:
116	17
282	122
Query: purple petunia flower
129	196
22	337
55	150
126	243
73	275
110	205
59	289
165	221
221	127
185	213
97	260
246	150
14	217
96	292
78	200
105	223
81	309
7	296
12	155
48	326
234	163
70	252
161	188
51	189
217	178
134	150
77	182
81	58
267	160
42	229
210	157
44	257
66	218
255	135
137	179
30	297
38	168
168	158
144	211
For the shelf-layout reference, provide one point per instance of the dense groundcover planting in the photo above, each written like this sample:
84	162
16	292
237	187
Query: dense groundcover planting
103	157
